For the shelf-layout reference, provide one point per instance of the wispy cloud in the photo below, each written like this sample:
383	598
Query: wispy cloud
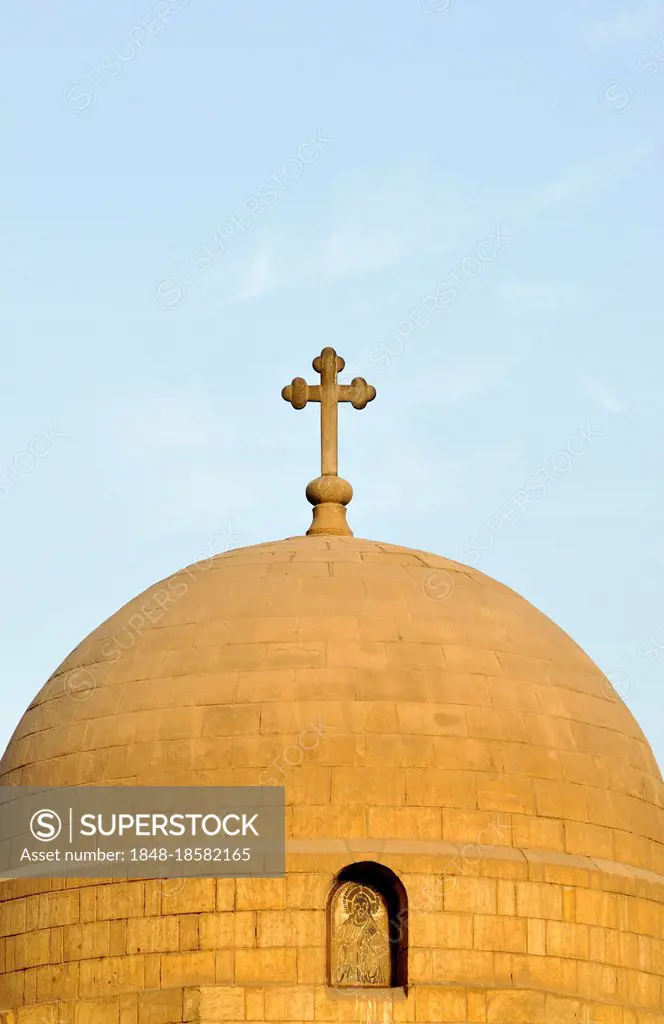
189	462
374	223
260	275
588	178
405	221
175	422
560	190
625	23
349	250
603	396
524	299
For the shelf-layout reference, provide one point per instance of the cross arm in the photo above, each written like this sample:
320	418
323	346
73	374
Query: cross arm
299	393
358	392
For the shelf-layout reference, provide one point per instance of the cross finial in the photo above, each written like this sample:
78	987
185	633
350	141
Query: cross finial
329	493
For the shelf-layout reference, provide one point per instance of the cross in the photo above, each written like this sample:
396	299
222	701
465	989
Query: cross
329	489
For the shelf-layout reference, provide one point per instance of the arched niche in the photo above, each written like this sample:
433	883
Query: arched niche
367	928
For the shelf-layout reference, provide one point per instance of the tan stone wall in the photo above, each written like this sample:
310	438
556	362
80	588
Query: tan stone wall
498	939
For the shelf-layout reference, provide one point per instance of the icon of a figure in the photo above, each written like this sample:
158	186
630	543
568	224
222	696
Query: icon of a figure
360	943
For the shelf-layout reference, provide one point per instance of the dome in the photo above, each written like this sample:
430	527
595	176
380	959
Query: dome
474	821
427	683
422	717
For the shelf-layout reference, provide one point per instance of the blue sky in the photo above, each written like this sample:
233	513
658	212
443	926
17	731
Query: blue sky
339	164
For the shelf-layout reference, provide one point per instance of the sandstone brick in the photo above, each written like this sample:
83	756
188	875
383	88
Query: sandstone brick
443	931
30	987
197	968
231	720
438	1004
596	908
224	966
222	1003
644	990
404	823
189	932
492	724
58	908
373	786
476	827
469	966
470	895
153	935
569	903
503	934
13	917
534	899
536	939
596	979
225	894
31	949
13	988
307	891
642	916
565	939
291	928
323	822
515	1007
502	863
227	930
356	654
432	720
506	897
217	930
86	941
311	965
265	965
260	893
534	833
425	892
403	1010
621	948
289	1004
560	800
254	1004
55	981
111	975
193	896
431	787
90	1011
163	1007
88	905
400	751
588	839
120	900
453	752
560	1010
506	793
329	1007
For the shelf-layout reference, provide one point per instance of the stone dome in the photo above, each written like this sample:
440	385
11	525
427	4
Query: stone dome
422	717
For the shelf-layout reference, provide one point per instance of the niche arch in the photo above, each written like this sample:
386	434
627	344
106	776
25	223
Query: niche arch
367	928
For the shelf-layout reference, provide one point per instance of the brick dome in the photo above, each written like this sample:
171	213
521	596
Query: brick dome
422	717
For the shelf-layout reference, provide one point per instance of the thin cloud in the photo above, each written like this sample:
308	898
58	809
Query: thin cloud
260	276
624	25
347	250
604	396
526	299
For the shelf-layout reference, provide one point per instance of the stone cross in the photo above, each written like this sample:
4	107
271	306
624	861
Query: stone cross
329	494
